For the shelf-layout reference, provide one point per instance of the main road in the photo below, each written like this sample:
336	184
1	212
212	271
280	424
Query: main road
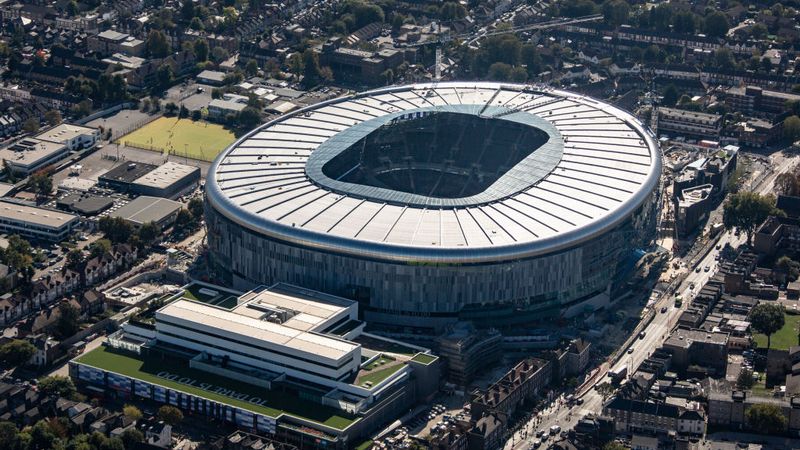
655	333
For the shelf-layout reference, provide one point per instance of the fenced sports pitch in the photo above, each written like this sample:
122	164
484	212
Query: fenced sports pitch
180	137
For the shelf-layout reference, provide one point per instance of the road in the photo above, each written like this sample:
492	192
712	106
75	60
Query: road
558	413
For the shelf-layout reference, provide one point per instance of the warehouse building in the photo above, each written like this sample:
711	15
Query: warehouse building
121	177
169	180
36	223
144	209
48	147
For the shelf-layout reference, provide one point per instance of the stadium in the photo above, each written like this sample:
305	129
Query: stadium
504	204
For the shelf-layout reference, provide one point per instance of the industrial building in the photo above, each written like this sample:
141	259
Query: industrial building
431	204
284	360
36	223
144	209
168	180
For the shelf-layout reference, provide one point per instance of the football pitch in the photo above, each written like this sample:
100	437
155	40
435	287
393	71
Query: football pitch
180	137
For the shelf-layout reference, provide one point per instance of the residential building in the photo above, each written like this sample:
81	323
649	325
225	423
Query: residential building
689	123
756	101
698	348
109	42
521	384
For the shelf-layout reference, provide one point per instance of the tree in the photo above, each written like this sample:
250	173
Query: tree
131	436
53	117
40	183
251	68
310	68
249	117
500	72
670	96
788	266
791	128
195	207
171	109
745	379
183	112
448	11
366	13
605	389
201	50
67	323
767	318
787	183
148	232
716	25
116	229
747	210
723	58
72	8
74	259
9	436
170	415
16	352
57	385
614	445
131	412
164	76
184	219
99	248
31	125
156	44
766	418
615	12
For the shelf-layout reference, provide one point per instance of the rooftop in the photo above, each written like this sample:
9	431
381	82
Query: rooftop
64	132
33	215
165	175
145	209
601	165
275	402
127	172
29	151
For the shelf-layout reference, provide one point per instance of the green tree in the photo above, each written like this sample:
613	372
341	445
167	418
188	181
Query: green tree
787	183
615	12
745	380
249	117
788	266
53	117
74	259
605	389
791	128
311	75
716	25
148	232
747	210
116	229
614	445
449	11
670	95
99	248
16	352
9	436
57	385
171	109
500	72
183	220
170	415
766	418
72	8
131	436
195	207
131	412
164	76
767	318
156	44
723	58
251	68
40	183
67	323
366	13
31	125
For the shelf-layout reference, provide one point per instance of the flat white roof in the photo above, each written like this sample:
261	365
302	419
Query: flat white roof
233	323
64	132
29	151
609	164
166	174
35	216
309	313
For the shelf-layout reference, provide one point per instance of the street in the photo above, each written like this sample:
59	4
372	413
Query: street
559	413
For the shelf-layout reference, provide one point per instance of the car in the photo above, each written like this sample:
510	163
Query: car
663	309
697	269
200	90
706	268
719	246
691	286
579	401
630	350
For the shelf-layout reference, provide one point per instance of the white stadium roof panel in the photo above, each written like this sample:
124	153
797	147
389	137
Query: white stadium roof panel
604	158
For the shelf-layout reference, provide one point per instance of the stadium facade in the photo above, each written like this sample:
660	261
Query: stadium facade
433	203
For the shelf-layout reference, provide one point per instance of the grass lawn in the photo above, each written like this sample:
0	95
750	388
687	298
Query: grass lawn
382	360
783	338
423	358
181	137
145	369
378	375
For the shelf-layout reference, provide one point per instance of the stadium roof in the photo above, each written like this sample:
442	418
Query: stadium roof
598	165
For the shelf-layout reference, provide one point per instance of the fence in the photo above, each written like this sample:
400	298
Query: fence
104	112
118	133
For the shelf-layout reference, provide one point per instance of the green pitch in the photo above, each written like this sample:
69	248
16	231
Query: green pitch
180	137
